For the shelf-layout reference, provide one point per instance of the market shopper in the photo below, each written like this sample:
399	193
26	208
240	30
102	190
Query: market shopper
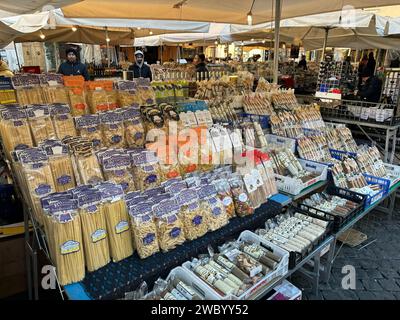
5	70
139	68
303	62
73	67
370	88
371	64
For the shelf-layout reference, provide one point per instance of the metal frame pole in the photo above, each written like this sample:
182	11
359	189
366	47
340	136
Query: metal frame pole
278	9
325	44
16	54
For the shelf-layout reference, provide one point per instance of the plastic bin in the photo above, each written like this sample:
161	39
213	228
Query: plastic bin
287	290
288	143
264	283
193	281
295	186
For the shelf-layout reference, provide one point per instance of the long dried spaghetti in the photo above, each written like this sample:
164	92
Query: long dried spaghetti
62	121
40	123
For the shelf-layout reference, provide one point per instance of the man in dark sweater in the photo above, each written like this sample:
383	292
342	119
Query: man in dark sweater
139	68
371	88
73	67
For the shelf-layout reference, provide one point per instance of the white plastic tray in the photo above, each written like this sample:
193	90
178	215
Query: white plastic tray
196	283
265	283
282	141
295	186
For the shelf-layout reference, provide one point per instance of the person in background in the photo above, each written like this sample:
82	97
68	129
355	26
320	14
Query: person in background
256	57
229	57
362	66
303	62
199	62
73	67
5	70
371	64
139	68
371	87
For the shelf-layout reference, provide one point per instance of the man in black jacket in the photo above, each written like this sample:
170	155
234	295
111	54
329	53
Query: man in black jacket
72	67
371	88
139	68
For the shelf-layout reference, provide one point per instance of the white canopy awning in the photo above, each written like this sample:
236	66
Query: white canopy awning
233	11
15	7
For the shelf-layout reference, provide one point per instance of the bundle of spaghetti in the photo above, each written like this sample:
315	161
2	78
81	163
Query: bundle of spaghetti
135	134
8	96
29	95
65	233
117	220
57	94
77	101
94	229
40	123
112	129
85	163
88	127
97	100
38	177
14	130
60	164
62	121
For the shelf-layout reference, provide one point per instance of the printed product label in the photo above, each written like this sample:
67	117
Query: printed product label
91	209
124	185
193	206
243	197
148	239
92	129
98	235
227	201
113	127
175	232
197	220
122	226
216	211
116	139
138	136
63	180
151	178
42	189
69	246
18	123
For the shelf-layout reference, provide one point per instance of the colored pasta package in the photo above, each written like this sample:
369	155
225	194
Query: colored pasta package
63	121
225	195
88	126
240	197
135	133
40	123
77	101
112	128
146	170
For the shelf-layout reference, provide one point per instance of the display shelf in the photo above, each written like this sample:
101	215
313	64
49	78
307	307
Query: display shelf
113	280
307	191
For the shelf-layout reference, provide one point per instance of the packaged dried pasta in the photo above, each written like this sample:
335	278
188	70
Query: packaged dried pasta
193	216
146	170
154	119
40	123
144	230
65	233
112	129
117	219
240	197
210	203
60	164
225	195
169	225
127	95
135	134
116	169
94	229
14	129
97	100
38	177
77	101
88	126
62	121
55	94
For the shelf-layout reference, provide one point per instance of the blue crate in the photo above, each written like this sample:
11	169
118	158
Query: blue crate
339	154
384	183
261	119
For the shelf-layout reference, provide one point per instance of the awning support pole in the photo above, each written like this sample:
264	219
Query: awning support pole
16	54
325	44
276	45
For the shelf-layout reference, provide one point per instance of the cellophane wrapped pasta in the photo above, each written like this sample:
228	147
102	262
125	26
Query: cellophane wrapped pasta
14	129
209	202
117	219
94	229
116	168
193	216
38	178
240	197
88	127
146	170
77	101
144	230
64	232
225	195
97	100
112	128
145	92
40	123
135	134
52	85
62	121
154	123
88	170
61	164
127	94
169	225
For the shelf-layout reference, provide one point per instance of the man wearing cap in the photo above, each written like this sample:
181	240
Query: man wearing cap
73	67
139	68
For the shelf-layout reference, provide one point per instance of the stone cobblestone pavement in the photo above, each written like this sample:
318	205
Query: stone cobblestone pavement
377	266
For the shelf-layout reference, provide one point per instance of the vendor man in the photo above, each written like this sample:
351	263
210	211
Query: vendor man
371	87
73	67
139	68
